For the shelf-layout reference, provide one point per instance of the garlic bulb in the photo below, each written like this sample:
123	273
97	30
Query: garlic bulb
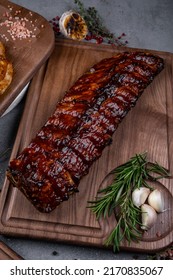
73	26
156	200
149	216
139	196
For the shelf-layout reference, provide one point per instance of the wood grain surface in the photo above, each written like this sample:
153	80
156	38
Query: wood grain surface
26	55
147	127
7	253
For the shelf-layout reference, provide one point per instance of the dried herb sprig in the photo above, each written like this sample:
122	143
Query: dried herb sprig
96	28
135	173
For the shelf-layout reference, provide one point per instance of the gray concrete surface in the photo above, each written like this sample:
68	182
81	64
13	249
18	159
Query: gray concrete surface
148	24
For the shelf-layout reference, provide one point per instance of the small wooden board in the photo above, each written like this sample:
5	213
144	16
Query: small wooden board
7	253
26	55
147	127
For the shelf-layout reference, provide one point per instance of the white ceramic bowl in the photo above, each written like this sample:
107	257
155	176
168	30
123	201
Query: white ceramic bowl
16	101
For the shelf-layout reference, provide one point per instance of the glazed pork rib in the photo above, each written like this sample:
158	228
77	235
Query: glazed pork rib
50	168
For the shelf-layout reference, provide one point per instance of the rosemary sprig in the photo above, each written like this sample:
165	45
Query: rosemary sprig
136	172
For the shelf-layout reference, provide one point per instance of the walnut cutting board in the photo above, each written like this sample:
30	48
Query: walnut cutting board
147	127
26	55
7	253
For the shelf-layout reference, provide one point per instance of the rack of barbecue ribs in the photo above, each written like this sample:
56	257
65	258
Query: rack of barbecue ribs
49	170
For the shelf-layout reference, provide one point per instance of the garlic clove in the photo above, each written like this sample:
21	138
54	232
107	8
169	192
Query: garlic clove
156	200
149	216
139	196
73	26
